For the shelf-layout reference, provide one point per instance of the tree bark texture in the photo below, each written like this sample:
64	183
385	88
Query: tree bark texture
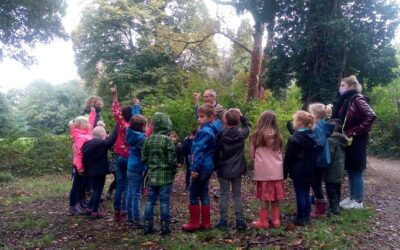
256	59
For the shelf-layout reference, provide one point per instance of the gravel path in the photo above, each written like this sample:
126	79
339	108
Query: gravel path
383	194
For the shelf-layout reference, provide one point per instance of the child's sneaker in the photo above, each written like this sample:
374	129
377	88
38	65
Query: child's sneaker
148	227
96	215
354	204
75	210
222	225
345	202
137	224
240	225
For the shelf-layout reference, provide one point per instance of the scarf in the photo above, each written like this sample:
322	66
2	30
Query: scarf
341	105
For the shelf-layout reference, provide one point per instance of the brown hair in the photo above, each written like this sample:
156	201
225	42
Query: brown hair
91	101
267	133
306	119
126	113
206	109
319	110
232	117
353	83
138	123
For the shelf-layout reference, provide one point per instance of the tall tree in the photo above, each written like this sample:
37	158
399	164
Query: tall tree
27	23
240	57
319	42
6	118
143	43
263	12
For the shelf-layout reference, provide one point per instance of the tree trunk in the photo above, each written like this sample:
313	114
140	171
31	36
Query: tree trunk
255	65
267	56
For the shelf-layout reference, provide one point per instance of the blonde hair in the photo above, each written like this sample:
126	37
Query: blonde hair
267	133
319	110
303	118
99	132
353	83
91	101
101	124
81	122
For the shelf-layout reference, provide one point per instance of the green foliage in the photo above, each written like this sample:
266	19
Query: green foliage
181	109
46	154
385	134
6	117
26	23
143	44
319	42
6	177
49	110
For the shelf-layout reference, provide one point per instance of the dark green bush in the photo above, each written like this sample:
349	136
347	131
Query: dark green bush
27	156
385	133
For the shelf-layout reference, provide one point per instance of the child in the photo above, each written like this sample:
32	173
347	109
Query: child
230	164
322	131
80	130
121	148
266	155
186	150
158	154
333	176
96	103
300	163
95	159
135	136
201	170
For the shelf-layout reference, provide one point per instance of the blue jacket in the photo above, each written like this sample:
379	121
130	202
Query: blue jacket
135	140
203	149
323	131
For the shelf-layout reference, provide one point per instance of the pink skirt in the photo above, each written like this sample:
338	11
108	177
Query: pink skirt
270	190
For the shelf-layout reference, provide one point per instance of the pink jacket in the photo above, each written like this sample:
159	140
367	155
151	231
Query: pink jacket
268	164
120	146
79	137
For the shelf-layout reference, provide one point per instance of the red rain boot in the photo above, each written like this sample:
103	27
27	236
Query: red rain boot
276	216
206	217
262	222
194	221
319	209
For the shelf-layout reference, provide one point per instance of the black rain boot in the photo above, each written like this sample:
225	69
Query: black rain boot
165	227
148	227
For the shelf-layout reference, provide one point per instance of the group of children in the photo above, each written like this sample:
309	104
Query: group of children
315	152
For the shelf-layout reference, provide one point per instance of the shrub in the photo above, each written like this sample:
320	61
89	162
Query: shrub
385	133
36	155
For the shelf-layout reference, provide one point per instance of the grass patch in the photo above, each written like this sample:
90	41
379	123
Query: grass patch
27	190
336	232
6	177
28	222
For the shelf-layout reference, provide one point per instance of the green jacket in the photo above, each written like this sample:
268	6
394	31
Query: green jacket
158	153
337	145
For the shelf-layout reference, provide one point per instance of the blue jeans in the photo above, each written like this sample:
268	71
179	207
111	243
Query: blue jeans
164	193
199	190
303	199
133	195
121	167
356	184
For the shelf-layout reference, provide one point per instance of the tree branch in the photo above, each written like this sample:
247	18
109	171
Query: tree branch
203	39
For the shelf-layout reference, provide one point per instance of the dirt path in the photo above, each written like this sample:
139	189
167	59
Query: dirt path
383	194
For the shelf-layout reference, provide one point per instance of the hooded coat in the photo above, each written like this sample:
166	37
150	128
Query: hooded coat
301	156
230	161
203	149
322	131
135	141
159	154
337	146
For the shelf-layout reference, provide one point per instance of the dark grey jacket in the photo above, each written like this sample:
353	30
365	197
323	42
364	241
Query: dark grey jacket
229	159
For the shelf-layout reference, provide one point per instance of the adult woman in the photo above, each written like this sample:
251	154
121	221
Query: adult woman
354	111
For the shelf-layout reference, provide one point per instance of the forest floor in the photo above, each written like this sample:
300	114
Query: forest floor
33	214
